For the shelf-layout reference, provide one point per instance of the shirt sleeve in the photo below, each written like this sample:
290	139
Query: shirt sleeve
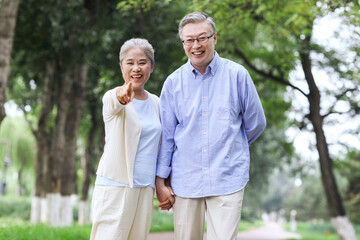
169	123
253	114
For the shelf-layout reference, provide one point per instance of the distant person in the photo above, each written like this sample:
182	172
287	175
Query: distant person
122	202
210	113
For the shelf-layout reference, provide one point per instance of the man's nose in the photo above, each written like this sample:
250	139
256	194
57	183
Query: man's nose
196	43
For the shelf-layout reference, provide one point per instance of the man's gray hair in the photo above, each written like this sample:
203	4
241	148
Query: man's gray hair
196	17
138	42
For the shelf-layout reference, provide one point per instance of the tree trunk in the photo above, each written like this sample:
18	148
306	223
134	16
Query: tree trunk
58	146
54	202
77	101
92	150
333	197
43	141
8	12
73	117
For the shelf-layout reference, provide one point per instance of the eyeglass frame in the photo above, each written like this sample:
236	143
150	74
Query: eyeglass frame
206	39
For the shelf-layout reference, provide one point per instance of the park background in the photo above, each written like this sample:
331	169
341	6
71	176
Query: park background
58	58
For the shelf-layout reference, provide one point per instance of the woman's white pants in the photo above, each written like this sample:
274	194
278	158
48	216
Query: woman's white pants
121	213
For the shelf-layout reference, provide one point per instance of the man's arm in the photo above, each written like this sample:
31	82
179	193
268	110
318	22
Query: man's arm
169	122
253	114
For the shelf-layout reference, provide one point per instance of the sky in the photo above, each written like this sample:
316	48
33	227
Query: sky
304	142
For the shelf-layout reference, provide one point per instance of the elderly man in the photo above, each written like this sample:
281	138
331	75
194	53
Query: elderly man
210	112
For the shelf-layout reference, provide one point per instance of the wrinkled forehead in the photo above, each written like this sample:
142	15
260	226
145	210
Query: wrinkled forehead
196	29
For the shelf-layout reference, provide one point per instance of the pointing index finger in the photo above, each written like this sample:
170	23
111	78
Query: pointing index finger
130	91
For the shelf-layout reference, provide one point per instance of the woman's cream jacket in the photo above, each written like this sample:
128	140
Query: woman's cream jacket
122	135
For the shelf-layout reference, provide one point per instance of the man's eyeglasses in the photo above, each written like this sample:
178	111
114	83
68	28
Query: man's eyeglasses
201	40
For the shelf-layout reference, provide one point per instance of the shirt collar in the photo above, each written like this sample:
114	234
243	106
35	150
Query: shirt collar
212	67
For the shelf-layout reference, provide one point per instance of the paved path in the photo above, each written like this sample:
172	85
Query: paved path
271	231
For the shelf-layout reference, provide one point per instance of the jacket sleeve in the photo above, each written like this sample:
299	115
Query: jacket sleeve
111	105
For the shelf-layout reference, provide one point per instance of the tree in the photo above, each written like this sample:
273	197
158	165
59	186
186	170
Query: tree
271	38
8	13
53	60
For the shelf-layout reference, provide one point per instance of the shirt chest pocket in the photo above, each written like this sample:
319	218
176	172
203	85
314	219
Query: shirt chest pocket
223	117
223	113
226	110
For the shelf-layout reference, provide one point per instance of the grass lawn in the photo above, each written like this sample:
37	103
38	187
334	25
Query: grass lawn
17	229
317	231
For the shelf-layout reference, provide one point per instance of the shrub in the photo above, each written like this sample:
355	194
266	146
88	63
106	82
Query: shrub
15	207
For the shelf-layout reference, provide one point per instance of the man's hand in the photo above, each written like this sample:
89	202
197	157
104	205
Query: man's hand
164	193
125	93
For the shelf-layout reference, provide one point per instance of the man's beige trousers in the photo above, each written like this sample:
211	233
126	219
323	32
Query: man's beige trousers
121	213
222	216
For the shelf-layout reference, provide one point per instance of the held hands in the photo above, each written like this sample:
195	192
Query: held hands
125	93
164	193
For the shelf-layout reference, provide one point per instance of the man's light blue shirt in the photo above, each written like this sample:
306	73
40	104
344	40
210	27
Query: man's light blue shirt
208	123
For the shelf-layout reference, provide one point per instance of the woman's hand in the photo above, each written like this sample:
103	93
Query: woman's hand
125	93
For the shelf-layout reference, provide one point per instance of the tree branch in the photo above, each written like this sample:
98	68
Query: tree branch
339	96
267	75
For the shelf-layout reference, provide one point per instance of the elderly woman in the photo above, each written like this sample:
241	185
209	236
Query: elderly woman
124	188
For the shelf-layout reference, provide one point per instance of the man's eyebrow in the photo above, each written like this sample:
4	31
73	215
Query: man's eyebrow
191	36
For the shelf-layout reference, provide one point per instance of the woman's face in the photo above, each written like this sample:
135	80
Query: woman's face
136	67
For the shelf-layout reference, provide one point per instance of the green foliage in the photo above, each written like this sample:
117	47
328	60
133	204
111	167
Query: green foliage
15	229
317	230
15	207
308	200
140	5
162	221
22	154
350	169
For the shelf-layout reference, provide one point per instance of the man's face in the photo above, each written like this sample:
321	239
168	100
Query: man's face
200	54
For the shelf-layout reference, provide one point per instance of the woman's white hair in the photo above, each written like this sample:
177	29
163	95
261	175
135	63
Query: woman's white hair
138	42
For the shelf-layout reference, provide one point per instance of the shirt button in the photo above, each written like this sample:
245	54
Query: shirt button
204	150
204	115
204	80
205	169
204	133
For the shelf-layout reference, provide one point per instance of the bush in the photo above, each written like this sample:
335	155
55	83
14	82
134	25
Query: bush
15	207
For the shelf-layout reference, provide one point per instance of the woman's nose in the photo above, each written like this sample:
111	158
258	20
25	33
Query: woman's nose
137	68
